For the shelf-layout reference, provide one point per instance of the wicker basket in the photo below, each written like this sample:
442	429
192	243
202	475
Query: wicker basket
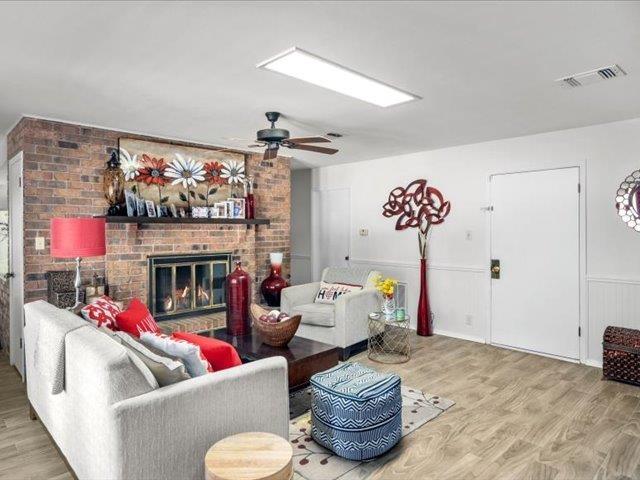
621	355
274	334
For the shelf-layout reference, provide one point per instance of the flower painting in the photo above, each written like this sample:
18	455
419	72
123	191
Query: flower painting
181	175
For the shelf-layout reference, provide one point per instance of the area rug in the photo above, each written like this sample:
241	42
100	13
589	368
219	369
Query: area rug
313	462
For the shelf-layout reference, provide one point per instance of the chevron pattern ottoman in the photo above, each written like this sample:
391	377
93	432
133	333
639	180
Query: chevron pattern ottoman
356	412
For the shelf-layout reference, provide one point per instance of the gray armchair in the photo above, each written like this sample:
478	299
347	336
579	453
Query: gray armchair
343	324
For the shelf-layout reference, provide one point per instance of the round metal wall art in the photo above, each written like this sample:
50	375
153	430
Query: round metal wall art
628	201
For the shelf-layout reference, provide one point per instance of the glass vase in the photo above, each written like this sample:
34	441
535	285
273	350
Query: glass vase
388	305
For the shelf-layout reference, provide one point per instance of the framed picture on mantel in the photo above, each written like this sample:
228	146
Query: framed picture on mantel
185	176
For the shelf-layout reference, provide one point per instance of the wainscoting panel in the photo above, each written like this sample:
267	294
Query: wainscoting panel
612	301
457	294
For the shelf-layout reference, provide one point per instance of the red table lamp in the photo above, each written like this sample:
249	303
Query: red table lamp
77	238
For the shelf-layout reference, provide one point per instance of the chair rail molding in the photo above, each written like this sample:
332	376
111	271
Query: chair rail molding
416	265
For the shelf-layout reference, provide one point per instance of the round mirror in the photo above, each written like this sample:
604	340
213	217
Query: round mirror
628	201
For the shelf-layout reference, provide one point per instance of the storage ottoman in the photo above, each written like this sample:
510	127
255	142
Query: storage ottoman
356	412
621	354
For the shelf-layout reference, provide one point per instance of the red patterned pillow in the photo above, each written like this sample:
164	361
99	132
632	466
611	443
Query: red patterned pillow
136	319
102	311
188	352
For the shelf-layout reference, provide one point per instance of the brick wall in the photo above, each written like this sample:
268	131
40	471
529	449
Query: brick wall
63	165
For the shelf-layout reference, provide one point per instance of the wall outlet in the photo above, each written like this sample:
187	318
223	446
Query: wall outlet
468	321
363	232
39	243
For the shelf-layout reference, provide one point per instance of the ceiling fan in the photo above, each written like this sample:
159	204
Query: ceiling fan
273	138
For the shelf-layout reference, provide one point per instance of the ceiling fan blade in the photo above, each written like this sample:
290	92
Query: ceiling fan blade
309	140
313	148
270	153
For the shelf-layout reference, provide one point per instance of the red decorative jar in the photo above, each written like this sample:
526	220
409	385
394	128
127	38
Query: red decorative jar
249	199
274	283
238	301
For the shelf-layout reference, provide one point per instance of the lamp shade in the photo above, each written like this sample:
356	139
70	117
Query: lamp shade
77	237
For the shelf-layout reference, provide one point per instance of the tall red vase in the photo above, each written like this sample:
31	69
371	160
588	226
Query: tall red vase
425	326
238	300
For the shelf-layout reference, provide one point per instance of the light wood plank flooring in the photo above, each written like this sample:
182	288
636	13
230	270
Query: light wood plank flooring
517	416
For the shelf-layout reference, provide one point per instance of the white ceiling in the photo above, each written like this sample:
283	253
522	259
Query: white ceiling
187	70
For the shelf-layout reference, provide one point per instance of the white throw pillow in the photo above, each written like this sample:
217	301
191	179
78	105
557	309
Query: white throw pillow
189	353
330	292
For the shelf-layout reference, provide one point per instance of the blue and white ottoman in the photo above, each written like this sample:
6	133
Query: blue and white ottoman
356	412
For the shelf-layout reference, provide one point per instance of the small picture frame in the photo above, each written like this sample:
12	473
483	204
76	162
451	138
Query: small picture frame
238	205
213	212
151	208
221	207
164	211
141	207
230	208
174	210
130	200
182	212
199	212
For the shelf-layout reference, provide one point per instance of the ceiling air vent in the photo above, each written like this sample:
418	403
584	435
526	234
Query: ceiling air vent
592	76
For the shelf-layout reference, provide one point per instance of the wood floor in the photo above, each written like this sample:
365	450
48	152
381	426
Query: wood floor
517	416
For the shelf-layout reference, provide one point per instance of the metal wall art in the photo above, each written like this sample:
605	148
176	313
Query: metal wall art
628	201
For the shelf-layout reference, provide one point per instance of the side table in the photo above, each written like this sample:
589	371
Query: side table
388	339
249	456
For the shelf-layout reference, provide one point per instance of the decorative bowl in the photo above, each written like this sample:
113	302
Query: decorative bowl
274	334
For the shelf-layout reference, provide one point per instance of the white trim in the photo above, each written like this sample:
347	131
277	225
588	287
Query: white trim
416	265
461	336
612	279
297	256
593	363
18	158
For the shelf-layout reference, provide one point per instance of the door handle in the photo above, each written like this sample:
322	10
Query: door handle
347	258
9	275
495	269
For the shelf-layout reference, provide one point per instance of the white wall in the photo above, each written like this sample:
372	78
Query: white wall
459	284
300	226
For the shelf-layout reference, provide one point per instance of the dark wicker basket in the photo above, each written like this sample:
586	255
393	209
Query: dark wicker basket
621	355
274	334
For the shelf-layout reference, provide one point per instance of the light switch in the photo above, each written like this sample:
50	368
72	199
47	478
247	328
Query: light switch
39	243
364	232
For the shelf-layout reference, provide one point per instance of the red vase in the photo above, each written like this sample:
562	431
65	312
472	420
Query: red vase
238	289
425	326
250	206
272	286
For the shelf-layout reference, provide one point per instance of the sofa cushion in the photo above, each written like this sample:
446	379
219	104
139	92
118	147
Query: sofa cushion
330	292
136	319
165	369
320	314
189	353
221	355
102	311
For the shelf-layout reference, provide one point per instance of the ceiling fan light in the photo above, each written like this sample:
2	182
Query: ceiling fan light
310	68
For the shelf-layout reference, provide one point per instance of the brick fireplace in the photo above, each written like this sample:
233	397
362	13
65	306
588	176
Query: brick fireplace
63	165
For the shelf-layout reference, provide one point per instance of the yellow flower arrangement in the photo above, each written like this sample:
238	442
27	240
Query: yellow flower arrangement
386	286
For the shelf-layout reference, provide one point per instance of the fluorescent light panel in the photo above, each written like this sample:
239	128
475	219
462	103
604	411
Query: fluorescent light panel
308	67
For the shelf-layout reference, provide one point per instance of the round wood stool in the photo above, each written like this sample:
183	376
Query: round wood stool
249	456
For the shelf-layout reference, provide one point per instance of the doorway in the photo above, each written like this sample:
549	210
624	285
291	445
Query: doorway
535	261
16	264
334	226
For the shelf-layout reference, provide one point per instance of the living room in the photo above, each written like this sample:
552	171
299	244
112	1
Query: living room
391	240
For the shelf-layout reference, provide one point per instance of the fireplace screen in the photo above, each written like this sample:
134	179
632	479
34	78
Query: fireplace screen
182	285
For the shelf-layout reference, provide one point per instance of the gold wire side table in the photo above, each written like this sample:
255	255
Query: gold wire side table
388	339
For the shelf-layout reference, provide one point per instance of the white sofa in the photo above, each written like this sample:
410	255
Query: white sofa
344	324
111	422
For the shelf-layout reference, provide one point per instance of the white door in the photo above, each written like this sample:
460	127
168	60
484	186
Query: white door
334	226
16	266
535	237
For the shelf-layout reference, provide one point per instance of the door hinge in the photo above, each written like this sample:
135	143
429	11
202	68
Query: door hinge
579	188
487	209
21	343
20	182
579	331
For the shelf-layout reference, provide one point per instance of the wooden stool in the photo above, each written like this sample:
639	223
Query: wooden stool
249	456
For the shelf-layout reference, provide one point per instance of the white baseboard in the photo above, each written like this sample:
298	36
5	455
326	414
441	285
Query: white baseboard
593	363
461	336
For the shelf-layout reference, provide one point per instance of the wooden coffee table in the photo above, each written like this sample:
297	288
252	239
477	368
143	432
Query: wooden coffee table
304	357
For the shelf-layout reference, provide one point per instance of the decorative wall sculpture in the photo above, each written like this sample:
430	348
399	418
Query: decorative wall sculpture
628	201
418	206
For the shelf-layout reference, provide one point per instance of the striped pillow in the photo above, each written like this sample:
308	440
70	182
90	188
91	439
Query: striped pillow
188	352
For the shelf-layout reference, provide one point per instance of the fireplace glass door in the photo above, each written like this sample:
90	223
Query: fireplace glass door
187	284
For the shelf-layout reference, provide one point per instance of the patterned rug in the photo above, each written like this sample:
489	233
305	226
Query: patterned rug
313	462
